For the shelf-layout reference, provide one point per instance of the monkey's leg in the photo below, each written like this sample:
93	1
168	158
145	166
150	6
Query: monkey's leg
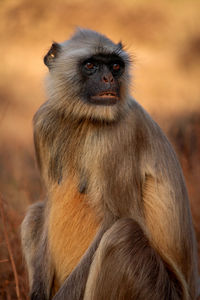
126	266
74	286
34	243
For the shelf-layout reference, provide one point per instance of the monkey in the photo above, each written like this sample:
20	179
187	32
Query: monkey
116	223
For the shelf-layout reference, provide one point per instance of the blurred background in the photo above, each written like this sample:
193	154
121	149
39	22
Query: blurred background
163	38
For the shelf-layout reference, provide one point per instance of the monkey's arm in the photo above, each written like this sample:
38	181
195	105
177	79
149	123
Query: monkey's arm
74	285
166	208
168	221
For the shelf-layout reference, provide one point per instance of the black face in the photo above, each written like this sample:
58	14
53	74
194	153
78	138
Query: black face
100	76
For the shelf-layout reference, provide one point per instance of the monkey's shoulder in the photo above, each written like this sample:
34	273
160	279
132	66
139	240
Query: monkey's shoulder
152	142
142	124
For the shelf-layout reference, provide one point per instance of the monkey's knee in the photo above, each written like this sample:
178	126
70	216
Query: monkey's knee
126	234
111	273
125	266
31	225
31	229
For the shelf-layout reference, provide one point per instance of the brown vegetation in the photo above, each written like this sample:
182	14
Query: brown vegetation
163	37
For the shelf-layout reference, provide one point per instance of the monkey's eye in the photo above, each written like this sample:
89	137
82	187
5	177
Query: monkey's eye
116	67
89	65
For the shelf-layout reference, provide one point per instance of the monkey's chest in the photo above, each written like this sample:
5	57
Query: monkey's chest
72	227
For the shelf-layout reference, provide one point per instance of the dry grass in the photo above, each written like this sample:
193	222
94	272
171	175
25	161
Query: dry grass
164	37
13	277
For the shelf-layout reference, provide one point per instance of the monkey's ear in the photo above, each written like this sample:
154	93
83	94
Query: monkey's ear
120	45
52	54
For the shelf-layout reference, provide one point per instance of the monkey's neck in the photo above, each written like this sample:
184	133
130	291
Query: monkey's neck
62	144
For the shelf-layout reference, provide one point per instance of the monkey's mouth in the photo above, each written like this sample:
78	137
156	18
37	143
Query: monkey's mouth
105	98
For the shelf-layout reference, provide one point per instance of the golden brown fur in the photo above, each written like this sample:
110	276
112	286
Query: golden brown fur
117	222
68	238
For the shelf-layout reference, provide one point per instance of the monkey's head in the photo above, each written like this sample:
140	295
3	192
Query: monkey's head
88	76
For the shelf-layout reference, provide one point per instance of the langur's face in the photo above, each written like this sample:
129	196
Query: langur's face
101	79
89	76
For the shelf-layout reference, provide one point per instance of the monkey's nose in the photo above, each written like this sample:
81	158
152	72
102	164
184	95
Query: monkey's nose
108	78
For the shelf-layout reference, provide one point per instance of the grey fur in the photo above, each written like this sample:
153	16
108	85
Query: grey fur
119	155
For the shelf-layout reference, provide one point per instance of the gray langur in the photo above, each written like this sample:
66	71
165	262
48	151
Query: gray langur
116	223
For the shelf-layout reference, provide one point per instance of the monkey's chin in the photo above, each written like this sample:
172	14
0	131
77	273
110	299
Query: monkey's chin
104	100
